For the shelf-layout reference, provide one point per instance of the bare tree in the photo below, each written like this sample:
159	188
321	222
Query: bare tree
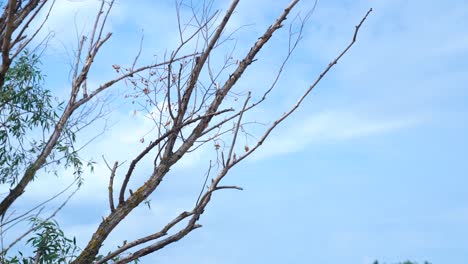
187	95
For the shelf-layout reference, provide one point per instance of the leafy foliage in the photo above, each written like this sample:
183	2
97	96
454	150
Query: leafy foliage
28	113
50	244
24	106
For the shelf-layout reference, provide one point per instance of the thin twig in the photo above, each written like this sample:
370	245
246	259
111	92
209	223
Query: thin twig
311	87
207	175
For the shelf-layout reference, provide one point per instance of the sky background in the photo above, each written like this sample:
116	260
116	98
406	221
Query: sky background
372	166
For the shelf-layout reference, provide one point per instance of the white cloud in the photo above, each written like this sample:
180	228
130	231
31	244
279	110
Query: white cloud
66	20
329	127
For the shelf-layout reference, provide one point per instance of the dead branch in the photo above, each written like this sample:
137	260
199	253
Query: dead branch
111	184
200	206
155	143
301	99
236	132
159	234
169	158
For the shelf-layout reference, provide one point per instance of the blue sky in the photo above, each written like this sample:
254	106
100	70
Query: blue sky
372	166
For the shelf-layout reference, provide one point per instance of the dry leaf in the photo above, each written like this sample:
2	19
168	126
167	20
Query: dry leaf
116	67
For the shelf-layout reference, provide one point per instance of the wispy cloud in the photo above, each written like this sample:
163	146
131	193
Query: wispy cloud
330	127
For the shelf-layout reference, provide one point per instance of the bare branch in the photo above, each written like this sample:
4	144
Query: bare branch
21	35
228	187
161	233
108	84
236	132
222	92
301	99
204	183
199	62
201	204
96	22
7	32
160	244
154	144
111	184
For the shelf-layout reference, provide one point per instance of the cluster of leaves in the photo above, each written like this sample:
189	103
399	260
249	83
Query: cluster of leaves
28	113
50	244
24	106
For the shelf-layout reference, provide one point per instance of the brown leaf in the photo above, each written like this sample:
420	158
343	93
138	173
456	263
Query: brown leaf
116	67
